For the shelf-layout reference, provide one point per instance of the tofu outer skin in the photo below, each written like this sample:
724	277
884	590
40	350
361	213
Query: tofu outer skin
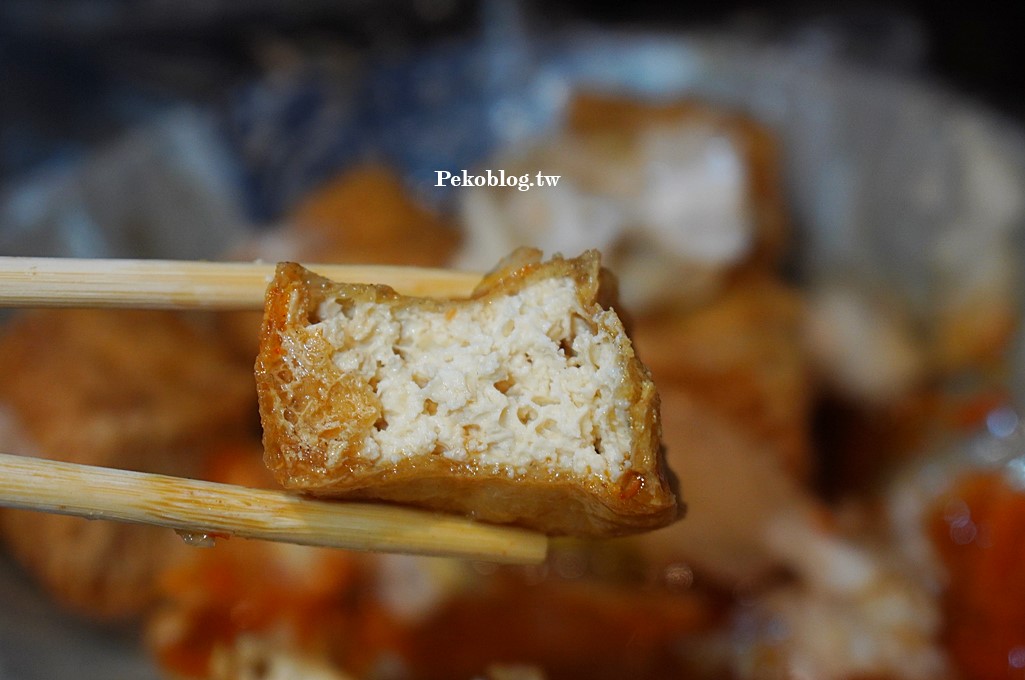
299	386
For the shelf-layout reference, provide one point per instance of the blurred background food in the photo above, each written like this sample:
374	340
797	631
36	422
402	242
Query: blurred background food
815	216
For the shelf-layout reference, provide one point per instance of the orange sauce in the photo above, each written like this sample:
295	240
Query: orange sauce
978	529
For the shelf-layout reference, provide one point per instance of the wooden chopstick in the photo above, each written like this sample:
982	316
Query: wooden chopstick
206	508
181	284
198	508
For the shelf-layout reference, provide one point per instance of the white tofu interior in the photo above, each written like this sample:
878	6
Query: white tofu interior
507	384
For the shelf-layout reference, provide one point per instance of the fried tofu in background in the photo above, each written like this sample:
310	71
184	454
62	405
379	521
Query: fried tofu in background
365	215
679	196
148	391
740	356
607	116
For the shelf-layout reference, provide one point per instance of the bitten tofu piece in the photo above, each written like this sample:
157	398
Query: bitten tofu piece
523	404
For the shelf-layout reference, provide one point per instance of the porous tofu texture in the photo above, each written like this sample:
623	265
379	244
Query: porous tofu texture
523	379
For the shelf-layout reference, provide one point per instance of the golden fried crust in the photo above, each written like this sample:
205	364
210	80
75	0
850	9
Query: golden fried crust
300	389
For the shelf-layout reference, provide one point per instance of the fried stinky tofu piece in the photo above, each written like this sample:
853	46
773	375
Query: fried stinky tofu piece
523	404
119	380
741	356
366	216
363	216
124	389
680	197
737	394
734	487
609	118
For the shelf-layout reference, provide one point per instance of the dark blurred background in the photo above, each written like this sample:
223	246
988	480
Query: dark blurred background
975	47
76	72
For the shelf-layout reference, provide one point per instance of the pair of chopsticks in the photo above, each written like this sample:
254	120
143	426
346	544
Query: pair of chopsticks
198	508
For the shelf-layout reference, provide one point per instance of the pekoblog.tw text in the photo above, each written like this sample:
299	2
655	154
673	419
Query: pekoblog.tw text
499	178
